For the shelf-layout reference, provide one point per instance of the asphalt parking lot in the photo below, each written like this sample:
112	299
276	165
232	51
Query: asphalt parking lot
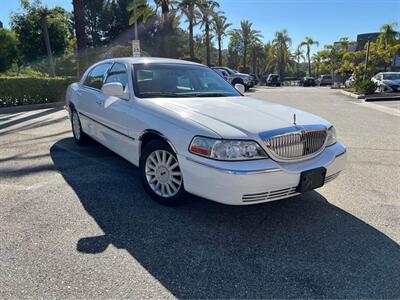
75	221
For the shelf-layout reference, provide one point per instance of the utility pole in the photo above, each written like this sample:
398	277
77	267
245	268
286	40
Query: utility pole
47	42
366	61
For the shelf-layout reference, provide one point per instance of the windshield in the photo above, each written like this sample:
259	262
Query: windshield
179	80
391	76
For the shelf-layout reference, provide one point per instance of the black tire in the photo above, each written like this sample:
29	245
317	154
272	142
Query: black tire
80	137
235	81
181	195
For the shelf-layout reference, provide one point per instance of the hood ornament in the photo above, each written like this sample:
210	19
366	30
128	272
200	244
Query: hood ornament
294	119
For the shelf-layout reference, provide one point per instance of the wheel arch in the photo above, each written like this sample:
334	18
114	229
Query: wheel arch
151	135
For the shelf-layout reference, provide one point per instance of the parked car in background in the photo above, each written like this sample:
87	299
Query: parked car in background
325	79
224	75
349	82
237	77
387	82
254	78
307	81
188	130
273	80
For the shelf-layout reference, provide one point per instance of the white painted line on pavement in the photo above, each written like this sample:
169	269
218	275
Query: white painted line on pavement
381	108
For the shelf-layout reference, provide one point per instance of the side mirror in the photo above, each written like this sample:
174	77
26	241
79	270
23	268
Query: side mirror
114	89
240	87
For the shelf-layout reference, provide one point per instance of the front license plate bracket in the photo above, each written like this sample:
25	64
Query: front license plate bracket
311	179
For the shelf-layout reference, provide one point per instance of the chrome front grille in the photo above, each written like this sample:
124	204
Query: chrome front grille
297	143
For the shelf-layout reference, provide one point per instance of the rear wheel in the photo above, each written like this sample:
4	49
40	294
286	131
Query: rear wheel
79	136
160	173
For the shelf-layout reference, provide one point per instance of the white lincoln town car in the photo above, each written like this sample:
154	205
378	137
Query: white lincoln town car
189	130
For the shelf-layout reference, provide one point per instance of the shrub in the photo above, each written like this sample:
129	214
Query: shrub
32	90
366	87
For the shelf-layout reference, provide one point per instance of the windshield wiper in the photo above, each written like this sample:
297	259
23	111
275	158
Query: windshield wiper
162	94
210	95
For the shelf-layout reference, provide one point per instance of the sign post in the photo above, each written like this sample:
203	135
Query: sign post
136	48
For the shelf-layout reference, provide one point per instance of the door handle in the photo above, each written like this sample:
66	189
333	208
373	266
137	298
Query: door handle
99	102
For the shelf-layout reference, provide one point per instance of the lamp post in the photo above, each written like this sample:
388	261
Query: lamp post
366	61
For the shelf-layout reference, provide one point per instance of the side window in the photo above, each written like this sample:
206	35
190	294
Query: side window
118	73
96	76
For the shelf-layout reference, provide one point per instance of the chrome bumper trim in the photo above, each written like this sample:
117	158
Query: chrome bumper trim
235	172
341	153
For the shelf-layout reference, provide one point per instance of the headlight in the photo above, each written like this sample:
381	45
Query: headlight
226	149
331	136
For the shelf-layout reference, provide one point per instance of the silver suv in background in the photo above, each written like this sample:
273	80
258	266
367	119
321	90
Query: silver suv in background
237	77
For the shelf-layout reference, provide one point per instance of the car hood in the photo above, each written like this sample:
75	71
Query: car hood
393	81
237	117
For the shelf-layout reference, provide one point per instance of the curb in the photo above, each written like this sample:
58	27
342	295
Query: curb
21	108
352	94
371	97
397	97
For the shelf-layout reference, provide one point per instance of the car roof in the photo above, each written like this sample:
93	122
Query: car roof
149	60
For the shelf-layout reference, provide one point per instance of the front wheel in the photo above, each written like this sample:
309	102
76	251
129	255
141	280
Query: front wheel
160	173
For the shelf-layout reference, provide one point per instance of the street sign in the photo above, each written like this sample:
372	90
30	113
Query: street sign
135	48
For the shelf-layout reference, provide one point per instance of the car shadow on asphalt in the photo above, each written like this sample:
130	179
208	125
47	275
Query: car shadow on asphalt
302	247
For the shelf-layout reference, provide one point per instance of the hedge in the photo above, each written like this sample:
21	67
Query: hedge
32	90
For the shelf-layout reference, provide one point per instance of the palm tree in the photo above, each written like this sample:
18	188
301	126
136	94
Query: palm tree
247	35
220	28
190	9
298	55
81	38
255	51
207	8
388	35
168	16
139	10
316	58
282	43
308	42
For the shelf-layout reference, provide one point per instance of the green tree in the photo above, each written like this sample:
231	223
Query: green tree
143	11
255	52
115	19
168	23
234	49
80	33
190	8
389	36
247	36
298	55
28	27
8	49
220	29
308	42
207	9
282	43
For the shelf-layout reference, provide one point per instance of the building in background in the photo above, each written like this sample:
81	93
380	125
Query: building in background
362	40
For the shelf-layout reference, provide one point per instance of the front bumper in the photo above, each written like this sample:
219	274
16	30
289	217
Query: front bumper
251	182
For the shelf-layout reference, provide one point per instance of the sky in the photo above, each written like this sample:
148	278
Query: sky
324	20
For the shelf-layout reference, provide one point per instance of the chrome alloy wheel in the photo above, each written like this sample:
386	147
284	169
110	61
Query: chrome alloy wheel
76	126
163	173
